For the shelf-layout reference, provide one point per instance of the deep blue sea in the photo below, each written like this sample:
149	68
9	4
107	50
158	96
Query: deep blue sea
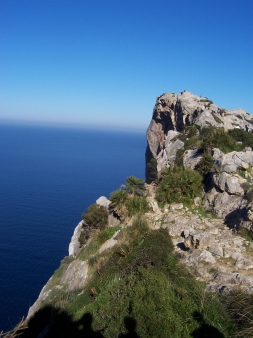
48	177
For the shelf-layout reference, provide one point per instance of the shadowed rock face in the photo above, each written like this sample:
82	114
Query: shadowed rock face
173	112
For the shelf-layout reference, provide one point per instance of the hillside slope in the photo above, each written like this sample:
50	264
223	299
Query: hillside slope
172	257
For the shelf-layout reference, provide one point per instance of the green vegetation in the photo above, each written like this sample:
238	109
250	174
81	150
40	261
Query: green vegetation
216	118
239	305
205	164
119	200
129	200
98	239
246	233
152	165
60	271
240	135
134	186
178	184
97	217
217	138
212	137
141	280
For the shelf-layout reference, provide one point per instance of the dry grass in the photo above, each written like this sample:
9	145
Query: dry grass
16	332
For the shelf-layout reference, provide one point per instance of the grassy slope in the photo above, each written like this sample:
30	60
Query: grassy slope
140	286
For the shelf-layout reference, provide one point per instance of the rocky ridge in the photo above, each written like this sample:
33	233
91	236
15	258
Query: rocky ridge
173	112
213	252
210	247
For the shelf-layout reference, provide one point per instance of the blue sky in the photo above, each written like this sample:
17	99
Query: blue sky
103	62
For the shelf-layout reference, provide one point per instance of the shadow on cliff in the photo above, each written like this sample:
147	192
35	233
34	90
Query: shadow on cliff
50	322
205	330
234	218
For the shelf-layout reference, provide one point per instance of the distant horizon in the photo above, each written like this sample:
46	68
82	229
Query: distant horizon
78	126
103	63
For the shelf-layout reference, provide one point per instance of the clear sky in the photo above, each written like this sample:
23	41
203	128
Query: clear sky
104	62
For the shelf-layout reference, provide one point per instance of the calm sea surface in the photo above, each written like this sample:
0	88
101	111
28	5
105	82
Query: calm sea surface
48	177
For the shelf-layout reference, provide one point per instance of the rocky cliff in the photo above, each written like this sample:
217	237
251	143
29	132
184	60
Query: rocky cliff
209	244
231	174
172	113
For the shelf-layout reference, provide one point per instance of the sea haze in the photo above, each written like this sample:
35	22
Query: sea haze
48	177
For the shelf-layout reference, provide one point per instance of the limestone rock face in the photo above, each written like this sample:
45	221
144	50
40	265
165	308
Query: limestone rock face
226	188
74	245
75	275
167	156
104	202
191	158
172	112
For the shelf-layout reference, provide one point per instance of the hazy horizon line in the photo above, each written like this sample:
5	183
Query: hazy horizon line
73	125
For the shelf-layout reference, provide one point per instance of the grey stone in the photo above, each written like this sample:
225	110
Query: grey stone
74	245
75	275
103	201
191	158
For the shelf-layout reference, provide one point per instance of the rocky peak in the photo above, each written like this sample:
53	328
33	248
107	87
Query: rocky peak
175	111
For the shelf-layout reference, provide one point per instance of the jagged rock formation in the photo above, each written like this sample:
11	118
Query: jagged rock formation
210	247
213	252
225	191
173	112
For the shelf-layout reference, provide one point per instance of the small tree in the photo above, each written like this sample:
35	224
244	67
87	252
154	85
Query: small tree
118	200
97	217
134	186
152	165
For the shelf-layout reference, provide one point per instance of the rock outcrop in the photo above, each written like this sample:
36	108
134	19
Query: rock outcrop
173	112
226	189
210	247
213	252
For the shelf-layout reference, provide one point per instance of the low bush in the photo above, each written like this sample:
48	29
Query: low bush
143	283
217	138
178	184
137	205
240	135
97	217
152	166
205	164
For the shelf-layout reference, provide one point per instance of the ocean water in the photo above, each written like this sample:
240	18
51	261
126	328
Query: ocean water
48	177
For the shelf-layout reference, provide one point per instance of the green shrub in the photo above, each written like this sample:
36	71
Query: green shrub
152	166
178	184
129	200
137	205
217	138
205	164
119	200
240	135
150	286
97	217
216	118
134	186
